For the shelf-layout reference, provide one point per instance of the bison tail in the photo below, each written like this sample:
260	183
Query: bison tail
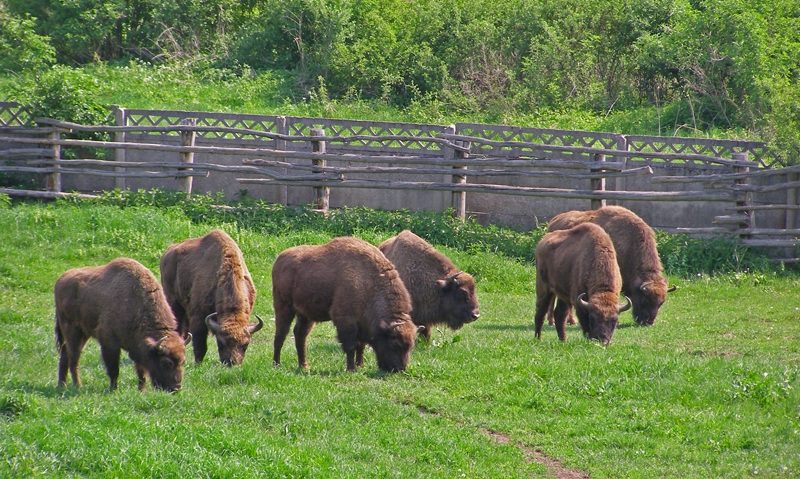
59	336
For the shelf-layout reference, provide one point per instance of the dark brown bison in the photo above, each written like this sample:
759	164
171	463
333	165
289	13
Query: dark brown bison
579	267
351	283
643	278
440	292
121	305
209	288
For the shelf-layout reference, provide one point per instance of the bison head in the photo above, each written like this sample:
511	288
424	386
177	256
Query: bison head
232	340
393	343
164	361
458	301
647	299
599	316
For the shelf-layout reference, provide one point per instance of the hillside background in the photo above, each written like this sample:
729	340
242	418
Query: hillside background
717	68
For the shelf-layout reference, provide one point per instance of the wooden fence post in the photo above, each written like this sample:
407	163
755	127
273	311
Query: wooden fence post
744	198
598	184
619	182
322	194
791	200
187	157
283	128
459	198
120	119
54	180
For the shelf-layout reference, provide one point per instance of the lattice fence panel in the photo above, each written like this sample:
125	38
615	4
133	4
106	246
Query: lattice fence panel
219	120
347	128
543	136
757	151
13	114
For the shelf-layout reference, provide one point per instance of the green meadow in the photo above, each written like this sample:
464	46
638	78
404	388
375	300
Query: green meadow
711	390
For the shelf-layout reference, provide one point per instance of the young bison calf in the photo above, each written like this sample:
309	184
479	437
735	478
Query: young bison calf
349	282
122	305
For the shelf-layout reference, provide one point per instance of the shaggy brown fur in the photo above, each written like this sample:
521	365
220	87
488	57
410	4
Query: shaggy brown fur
642	274
579	267
121	305
209	288
349	282
440	292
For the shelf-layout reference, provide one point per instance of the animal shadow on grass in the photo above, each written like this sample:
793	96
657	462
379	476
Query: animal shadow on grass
47	391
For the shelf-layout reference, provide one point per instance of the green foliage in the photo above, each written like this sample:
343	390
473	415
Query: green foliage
21	48
684	255
63	93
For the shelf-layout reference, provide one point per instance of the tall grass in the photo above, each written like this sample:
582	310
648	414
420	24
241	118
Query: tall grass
711	390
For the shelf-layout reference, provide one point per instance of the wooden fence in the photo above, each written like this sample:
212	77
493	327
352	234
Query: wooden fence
458	159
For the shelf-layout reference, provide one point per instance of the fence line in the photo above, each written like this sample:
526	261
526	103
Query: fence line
323	161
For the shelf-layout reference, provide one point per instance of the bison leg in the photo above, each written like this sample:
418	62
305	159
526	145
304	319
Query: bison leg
111	360
301	329
283	321
348	338
543	302
560	315
141	373
181	318
359	354
73	348
199	338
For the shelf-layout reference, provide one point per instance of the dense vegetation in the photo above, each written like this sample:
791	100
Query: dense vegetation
715	67
711	390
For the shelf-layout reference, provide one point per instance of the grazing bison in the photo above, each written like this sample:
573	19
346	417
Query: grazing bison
349	282
209	288
440	292
635	243
121	305
579	267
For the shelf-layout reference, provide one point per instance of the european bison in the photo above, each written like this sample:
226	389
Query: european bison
121	305
635	243
209	288
579	267
440	292
351	283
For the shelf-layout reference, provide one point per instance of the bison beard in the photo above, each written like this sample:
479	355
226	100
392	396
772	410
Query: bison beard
440	293
123	306
349	282
209	289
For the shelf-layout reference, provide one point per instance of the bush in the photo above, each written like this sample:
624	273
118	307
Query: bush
21	49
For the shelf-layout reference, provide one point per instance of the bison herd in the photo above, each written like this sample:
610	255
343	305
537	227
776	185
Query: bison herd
378	296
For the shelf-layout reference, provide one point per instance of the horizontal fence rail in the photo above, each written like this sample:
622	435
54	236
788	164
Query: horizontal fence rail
320	155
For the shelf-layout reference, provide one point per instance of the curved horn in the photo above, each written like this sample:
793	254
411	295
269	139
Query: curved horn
253	328
159	343
644	285
188	339
624	307
212	323
582	301
671	289
454	276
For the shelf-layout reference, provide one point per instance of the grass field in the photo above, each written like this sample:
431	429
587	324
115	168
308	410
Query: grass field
711	390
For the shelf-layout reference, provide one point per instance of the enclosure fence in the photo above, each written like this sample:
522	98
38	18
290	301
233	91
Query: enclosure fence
463	161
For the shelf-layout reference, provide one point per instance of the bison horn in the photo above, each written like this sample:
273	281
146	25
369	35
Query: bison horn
212	323
644	285
624	307
188	339
454	276
582	301
253	328
671	289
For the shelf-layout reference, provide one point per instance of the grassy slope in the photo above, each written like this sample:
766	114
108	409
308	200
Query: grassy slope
709	391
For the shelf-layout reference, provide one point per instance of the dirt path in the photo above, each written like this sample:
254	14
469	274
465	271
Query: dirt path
554	466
